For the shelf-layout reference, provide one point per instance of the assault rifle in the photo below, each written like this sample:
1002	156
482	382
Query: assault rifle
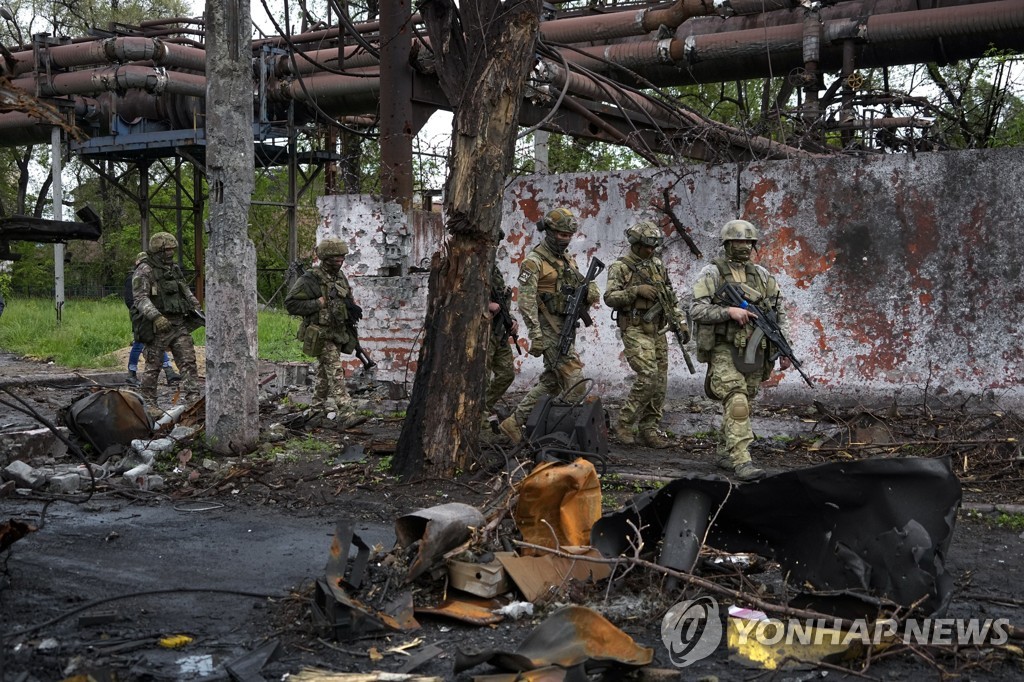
353	313
666	305
764	319
505	317
576	308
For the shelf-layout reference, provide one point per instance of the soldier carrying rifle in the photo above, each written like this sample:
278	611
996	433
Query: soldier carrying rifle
732	299
645	309
551	291
323	298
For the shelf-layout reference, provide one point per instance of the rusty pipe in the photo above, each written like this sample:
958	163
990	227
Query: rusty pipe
117	79
128	49
1001	15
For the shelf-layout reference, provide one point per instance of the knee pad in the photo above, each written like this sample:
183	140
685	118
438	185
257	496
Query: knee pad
737	406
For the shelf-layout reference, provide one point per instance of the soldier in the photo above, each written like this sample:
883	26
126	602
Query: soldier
137	346
546	275
163	304
639	292
736	353
323	298
500	368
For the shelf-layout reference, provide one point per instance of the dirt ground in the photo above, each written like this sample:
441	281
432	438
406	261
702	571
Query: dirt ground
227	552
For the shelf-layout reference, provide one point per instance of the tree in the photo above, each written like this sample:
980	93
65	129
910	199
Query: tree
483	57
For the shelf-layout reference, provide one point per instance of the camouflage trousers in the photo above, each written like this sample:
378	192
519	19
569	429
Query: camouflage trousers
500	372
179	342
647	355
736	391
329	381
559	374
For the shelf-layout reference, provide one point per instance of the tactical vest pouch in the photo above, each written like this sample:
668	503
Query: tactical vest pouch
348	347
313	340
750	358
301	334
705	342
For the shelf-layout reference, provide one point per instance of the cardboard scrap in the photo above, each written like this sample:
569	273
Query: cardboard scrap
534	575
483	580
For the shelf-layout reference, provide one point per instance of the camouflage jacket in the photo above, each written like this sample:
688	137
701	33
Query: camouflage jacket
159	289
626	274
544	280
712	318
303	300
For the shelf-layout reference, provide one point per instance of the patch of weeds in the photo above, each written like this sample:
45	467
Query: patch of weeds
783	438
1014	522
397	414
384	464
366	413
709	435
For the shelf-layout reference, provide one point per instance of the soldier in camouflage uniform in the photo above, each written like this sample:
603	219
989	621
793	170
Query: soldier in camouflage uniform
639	292
546	274
736	352
323	298
500	368
163	304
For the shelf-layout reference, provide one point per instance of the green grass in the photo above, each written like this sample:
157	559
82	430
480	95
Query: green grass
91	331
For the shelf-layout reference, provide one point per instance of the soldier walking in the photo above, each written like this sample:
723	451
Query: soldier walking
163	307
642	299
737	354
500	371
322	297
547	278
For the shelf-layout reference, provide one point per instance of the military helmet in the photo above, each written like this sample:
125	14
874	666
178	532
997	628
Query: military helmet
161	241
331	247
140	256
561	220
646	233
738	229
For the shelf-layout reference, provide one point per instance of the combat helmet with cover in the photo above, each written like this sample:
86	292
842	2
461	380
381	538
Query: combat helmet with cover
559	220
738	230
162	240
330	248
645	233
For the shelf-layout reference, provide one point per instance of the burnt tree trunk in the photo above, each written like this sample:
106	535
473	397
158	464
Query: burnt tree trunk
482	60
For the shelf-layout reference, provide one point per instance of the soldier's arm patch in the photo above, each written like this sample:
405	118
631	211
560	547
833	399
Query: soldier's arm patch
529	270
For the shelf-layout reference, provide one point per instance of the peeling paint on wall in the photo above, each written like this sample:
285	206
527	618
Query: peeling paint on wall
898	271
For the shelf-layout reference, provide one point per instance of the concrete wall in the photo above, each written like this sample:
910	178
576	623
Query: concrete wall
902	273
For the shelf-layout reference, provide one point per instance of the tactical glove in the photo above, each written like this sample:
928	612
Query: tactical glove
161	325
355	312
646	291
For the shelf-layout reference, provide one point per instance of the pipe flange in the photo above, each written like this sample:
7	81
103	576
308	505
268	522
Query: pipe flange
664	49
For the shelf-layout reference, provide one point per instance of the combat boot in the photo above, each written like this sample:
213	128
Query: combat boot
510	428
652	439
172	376
624	433
747	472
133	378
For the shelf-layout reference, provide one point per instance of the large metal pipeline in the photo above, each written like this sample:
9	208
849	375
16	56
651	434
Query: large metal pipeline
111	50
756	53
117	79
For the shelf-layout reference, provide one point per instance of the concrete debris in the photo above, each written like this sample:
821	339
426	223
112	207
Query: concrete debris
24	475
32	444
